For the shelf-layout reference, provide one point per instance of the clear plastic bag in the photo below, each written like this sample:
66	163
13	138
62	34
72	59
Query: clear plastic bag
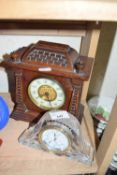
59	132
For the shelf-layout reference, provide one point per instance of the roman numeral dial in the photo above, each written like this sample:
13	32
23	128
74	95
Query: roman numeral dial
46	93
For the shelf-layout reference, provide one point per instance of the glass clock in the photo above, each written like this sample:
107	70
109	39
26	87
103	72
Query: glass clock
46	93
59	132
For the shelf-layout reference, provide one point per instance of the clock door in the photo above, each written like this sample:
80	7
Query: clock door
42	92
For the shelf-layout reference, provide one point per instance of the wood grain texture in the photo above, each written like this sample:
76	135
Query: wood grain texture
43	32
89	46
89	124
18	159
59	10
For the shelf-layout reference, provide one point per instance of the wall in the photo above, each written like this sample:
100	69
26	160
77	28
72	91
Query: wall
109	85
10	43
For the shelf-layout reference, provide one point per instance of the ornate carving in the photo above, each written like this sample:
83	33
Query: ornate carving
46	56
75	101
19	88
20	106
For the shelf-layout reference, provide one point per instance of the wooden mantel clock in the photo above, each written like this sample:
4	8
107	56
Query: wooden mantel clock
46	76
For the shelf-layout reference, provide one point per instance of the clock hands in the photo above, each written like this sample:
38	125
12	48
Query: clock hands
54	137
47	95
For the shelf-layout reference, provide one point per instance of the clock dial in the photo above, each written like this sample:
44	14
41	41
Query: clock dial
46	93
54	140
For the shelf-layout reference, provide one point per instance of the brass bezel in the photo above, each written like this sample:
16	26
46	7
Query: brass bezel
61	129
44	107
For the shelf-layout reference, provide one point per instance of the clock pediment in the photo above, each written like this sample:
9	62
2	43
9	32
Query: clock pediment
61	59
46	54
54	55
47	57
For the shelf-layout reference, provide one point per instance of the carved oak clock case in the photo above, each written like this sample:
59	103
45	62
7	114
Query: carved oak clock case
45	76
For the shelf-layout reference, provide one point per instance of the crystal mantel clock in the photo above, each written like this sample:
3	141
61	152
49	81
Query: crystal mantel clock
45	76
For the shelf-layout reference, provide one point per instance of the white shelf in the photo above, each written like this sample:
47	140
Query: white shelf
87	10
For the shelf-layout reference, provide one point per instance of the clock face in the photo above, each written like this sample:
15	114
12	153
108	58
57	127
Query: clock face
54	140
46	93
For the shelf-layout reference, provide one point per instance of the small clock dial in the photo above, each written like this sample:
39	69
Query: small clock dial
54	140
46	93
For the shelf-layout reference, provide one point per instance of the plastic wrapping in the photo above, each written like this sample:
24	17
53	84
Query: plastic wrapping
4	113
59	132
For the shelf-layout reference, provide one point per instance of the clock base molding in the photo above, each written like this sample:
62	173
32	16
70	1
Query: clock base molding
22	116
30	116
21	112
